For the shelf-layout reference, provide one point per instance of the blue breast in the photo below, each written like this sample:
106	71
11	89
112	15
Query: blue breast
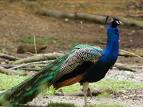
110	54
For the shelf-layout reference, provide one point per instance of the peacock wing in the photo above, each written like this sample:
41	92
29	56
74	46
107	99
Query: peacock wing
79	54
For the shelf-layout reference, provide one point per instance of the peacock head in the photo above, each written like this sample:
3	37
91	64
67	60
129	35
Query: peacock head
115	21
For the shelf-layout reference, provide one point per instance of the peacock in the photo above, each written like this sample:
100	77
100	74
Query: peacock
83	63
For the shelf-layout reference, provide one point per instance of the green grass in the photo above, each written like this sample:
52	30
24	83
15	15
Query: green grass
72	105
52	41
60	105
107	105
108	87
8	81
41	40
117	85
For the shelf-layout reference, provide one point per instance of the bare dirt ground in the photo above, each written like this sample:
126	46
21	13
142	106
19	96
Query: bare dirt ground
17	24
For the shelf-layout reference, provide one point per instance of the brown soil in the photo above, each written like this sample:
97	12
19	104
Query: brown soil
15	24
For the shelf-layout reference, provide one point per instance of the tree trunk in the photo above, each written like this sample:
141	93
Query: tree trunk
39	57
11	72
88	17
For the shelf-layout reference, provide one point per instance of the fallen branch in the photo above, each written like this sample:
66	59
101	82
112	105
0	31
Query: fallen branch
14	67
31	69
129	54
24	48
39	57
7	66
88	17
79	16
8	57
52	56
123	67
11	72
31	66
18	66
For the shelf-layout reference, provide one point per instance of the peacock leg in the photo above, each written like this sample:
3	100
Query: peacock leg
85	88
89	93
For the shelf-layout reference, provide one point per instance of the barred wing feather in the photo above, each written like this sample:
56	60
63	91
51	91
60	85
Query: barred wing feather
80	53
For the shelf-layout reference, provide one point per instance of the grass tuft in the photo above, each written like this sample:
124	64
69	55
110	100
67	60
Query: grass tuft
72	105
107	105
29	39
117	85
8	81
61	105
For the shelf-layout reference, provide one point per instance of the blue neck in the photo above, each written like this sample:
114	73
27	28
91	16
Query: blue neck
112	47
